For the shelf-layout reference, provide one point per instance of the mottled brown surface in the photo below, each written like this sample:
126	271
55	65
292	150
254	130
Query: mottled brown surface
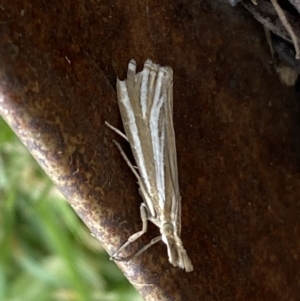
237	131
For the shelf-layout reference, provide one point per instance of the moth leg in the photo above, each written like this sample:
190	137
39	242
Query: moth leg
143	209
135	236
116	130
144	248
127	161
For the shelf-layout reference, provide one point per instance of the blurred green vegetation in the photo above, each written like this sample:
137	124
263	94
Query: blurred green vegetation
46	252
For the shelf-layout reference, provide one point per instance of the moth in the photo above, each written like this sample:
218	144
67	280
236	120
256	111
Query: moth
145	101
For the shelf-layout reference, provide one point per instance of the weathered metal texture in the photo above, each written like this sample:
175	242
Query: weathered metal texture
237	131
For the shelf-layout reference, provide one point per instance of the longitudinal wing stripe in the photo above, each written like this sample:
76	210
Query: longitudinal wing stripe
125	100
161	160
144	88
156	140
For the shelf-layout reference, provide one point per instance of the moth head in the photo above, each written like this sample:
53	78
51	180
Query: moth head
176	252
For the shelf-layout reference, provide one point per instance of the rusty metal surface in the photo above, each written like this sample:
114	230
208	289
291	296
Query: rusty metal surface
237	131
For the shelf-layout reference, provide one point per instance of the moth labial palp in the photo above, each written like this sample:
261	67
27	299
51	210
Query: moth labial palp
145	101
